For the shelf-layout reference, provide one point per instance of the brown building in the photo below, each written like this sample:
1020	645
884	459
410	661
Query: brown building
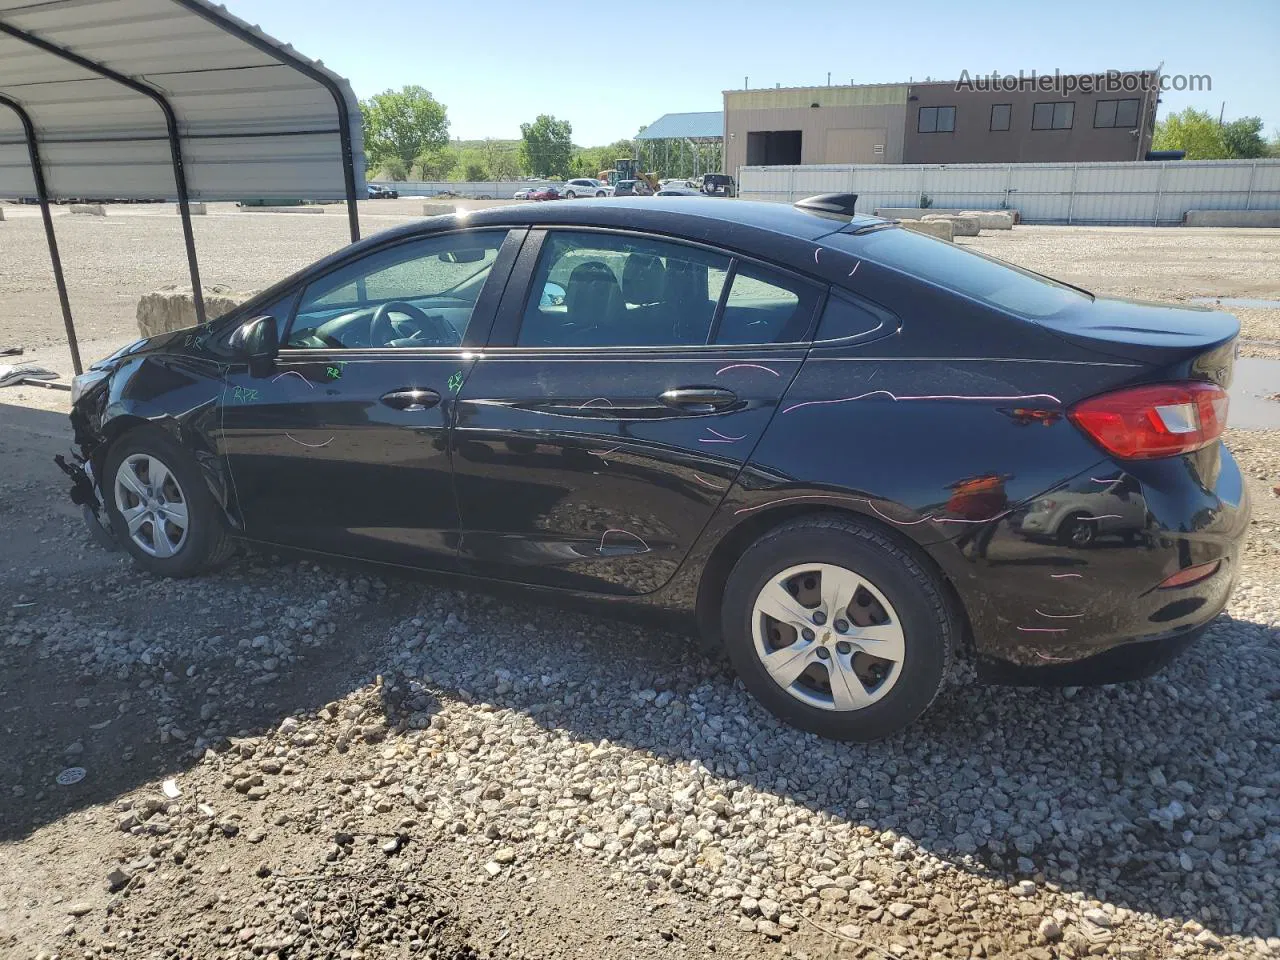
1029	119
1089	121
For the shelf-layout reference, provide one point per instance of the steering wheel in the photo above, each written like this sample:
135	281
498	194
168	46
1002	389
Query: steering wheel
381	331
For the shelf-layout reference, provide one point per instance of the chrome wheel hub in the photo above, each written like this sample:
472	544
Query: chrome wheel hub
153	505
828	636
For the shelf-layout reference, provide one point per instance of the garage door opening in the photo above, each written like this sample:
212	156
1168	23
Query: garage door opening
773	147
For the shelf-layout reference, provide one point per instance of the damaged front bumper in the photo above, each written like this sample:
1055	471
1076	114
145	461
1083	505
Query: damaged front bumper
84	493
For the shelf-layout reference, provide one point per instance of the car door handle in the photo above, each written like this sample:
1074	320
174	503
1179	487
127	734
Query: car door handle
699	399
410	400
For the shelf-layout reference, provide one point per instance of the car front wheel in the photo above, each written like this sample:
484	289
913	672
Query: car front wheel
570	195
160	507
838	629
599	193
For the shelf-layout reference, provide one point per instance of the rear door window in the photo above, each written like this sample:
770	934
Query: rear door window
609	290
765	306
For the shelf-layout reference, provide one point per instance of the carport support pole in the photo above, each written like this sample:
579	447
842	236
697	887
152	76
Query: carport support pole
42	195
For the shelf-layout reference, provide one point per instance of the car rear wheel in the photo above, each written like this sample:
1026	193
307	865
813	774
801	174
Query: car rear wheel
160	507
838	629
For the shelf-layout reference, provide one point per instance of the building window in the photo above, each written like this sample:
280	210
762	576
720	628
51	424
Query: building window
937	120
1000	115
1053	116
1116	113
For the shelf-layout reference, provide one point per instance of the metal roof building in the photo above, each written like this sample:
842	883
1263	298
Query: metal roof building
136	99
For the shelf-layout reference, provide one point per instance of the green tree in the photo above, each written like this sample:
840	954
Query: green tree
437	163
546	146
394	169
403	124
1243	138
1273	147
1194	131
471	165
502	160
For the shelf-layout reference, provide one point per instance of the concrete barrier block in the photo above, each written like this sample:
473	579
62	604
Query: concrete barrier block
197	209
919	213
991	219
91	209
963	226
438	209
174	308
282	209
1232	218
932	228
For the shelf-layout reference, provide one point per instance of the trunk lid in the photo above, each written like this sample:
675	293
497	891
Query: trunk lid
1183	341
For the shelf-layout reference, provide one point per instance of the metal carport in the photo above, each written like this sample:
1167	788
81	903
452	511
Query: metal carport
138	99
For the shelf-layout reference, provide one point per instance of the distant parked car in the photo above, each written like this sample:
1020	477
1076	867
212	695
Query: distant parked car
547	192
676	191
585	187
379	192
524	194
719	185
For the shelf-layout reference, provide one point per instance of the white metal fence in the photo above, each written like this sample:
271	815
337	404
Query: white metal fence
1150	193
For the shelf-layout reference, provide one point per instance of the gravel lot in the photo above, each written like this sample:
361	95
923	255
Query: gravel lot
291	759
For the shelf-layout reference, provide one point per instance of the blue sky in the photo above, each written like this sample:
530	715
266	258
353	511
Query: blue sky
609	68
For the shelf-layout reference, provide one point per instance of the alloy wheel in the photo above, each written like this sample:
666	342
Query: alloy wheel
153	505
828	636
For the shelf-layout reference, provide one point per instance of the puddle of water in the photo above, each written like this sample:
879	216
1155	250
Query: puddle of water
1251	303
1254	382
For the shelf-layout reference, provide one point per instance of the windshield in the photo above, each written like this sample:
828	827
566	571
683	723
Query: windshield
992	281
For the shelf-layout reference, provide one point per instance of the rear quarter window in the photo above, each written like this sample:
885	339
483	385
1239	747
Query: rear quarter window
986	279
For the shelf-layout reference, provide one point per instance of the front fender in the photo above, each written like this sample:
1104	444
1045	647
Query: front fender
177	394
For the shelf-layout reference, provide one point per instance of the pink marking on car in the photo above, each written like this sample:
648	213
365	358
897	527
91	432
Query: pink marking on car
595	400
707	483
625	533
1045	656
878	512
895	398
1043	629
856	265
747	366
1059	616
303	443
1063	576
725	436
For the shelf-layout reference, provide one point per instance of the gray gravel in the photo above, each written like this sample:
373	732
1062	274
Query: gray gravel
1142	817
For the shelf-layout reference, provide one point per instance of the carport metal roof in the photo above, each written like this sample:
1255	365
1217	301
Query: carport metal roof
685	126
135	99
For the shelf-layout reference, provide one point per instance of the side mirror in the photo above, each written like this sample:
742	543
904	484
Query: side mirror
256	343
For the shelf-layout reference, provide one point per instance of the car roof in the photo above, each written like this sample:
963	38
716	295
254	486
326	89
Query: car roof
773	231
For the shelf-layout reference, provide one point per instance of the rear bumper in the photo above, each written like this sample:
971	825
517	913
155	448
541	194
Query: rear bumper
1045	612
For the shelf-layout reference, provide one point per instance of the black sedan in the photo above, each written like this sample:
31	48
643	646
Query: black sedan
818	436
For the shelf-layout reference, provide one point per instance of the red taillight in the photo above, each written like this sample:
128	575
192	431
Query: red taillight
1161	420
1185	578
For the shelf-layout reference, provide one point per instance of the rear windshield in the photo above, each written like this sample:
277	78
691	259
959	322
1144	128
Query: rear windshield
995	282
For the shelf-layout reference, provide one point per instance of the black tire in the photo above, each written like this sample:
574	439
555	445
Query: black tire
929	622
600	193
1077	531
570	195
208	541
